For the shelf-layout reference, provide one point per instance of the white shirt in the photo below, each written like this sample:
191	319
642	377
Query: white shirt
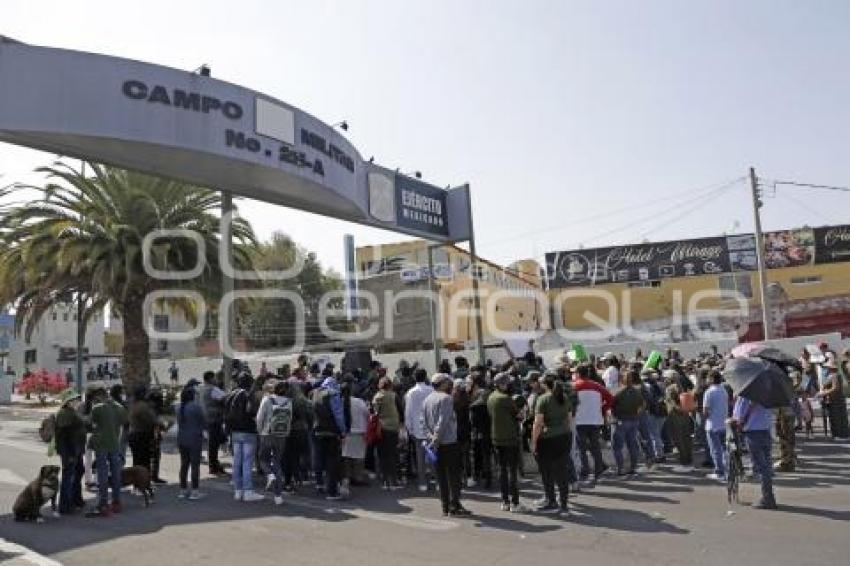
611	377
359	415
413	402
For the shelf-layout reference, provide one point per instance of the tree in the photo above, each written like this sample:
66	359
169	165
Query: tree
270	323
85	235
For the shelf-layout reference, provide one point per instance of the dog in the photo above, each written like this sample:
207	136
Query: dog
140	478
42	489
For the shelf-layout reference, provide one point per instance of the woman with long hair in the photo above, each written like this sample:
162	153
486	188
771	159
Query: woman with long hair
551	441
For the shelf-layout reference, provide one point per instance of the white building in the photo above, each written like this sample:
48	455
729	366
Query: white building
53	344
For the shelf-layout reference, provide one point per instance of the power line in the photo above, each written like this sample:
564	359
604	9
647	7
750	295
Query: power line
608	214
691	210
811	186
700	198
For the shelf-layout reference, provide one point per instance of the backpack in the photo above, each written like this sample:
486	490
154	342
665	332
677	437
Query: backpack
657	407
280	422
47	430
236	415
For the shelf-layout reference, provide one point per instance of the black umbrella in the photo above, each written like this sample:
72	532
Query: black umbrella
776	356
760	381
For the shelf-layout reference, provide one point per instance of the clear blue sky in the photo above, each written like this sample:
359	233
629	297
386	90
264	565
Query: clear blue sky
555	112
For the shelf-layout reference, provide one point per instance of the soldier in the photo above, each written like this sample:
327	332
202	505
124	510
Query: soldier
785	423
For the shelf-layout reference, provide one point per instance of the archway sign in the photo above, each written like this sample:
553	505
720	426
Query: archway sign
209	132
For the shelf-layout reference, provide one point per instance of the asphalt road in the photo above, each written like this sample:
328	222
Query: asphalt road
660	518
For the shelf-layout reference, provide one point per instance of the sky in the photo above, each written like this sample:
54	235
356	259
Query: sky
576	123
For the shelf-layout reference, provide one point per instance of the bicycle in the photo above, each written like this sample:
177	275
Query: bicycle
735	462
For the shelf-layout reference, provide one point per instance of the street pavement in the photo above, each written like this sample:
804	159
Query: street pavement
660	518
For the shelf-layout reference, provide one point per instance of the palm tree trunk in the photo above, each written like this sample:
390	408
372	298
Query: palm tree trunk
137	360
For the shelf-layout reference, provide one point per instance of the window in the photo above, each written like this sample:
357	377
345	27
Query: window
644	284
397	308
162	345
736	283
30	357
65	317
521	314
809	280
55	316
160	323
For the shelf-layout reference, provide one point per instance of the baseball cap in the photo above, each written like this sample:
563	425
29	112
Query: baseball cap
438	378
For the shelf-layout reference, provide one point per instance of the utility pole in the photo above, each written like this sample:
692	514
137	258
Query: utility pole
476	297
435	310
765	301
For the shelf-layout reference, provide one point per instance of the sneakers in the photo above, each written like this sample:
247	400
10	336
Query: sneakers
547	508
336	497
460	511
714	476
470	482
97	512
184	494
506	506
519	508
251	496
563	512
423	488
237	495
278	500
195	495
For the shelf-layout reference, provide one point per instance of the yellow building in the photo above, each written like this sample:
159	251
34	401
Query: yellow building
398	278
808	286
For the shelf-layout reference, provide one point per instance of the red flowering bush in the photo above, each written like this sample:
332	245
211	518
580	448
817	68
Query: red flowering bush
42	383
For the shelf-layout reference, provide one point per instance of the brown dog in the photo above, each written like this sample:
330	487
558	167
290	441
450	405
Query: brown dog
140	478
45	487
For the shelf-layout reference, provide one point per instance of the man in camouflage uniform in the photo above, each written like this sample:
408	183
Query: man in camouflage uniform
785	423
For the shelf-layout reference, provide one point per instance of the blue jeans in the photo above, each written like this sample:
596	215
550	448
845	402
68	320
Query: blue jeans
626	433
716	445
759	444
244	448
656	425
70	488
108	475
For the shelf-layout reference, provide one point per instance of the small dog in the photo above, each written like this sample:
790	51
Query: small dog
42	489
140	478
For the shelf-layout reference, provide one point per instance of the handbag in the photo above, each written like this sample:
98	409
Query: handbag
373	430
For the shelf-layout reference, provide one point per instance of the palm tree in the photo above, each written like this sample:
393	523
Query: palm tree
84	236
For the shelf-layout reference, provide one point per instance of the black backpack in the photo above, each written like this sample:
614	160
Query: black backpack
236	415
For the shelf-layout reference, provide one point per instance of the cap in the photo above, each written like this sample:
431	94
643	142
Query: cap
68	395
502	379
192	383
438	378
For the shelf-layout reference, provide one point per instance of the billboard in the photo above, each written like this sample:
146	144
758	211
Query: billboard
639	262
703	256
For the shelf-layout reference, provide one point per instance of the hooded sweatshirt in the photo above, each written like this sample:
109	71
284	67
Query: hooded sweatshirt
330	417
593	402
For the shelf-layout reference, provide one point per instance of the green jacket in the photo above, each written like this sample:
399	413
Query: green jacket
385	408
70	431
504	428
107	418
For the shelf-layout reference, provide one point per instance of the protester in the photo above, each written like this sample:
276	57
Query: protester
835	402
461	400
190	439
240	417
413	402
329	431
298	444
551	440
354	444
274	422
714	411
384	404
480	430
70	438
107	418
505	437
142	419
440	424
594	401
679	422
754	420
212	404
627	409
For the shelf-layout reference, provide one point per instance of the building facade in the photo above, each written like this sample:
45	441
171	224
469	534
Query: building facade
681	290
406	296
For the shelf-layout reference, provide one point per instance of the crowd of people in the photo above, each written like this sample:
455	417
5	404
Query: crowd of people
461	427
